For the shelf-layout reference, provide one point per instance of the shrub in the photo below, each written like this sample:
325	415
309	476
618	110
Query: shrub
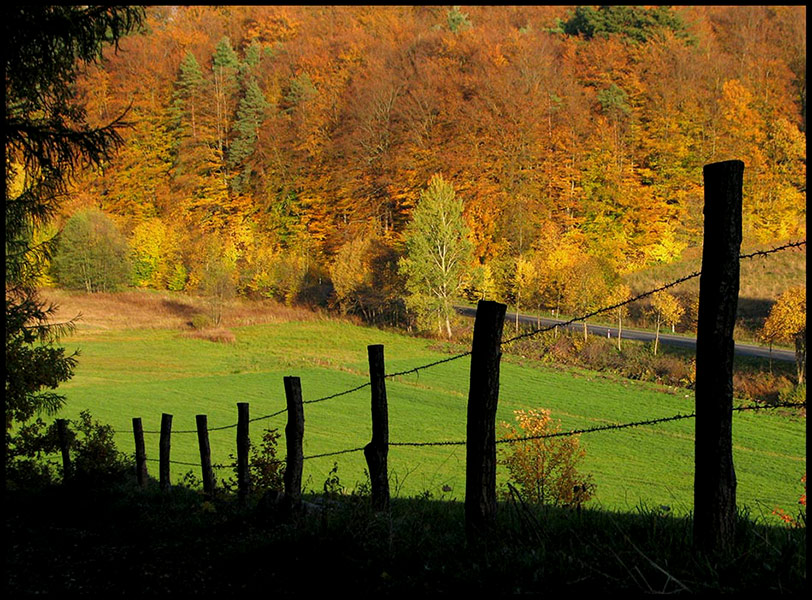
33	460
95	458
544	469
265	470
201	321
795	393
220	335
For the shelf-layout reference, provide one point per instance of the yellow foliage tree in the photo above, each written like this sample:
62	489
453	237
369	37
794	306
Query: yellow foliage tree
155	254
545	469
666	308
620	293
787	323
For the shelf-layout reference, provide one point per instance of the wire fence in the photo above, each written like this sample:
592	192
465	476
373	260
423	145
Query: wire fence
527	334
524	335
515	440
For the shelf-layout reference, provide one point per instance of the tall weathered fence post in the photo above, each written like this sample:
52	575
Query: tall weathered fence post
205	454
377	450
64	446
714	475
243	446
140	452
483	395
165	442
294	433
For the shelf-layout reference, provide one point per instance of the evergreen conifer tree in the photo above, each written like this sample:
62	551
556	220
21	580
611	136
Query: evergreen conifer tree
47	141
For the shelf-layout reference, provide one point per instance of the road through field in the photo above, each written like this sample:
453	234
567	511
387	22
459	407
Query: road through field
636	334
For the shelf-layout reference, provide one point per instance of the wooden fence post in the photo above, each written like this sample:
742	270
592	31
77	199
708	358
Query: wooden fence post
243	446
714	475
140	453
205	454
166	435
377	450
294	433
483	396
64	446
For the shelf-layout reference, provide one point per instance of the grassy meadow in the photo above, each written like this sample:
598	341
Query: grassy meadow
131	367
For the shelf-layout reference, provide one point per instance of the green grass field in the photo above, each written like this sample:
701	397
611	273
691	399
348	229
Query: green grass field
146	372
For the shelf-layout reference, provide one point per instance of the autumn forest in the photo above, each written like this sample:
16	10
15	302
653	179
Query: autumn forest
287	148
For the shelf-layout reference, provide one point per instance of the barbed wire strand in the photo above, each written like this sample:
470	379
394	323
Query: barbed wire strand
598	428
527	334
644	294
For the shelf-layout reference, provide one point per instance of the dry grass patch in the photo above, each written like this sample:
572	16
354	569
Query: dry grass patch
220	335
146	309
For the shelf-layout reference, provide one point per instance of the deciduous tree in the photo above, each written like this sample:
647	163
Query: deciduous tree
91	254
787	323
438	253
666	308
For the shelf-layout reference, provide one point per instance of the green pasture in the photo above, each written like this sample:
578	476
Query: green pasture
144	373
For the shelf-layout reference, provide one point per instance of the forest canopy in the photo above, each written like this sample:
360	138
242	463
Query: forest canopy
275	136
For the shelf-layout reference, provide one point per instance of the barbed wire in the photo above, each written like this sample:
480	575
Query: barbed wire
645	294
597	428
521	336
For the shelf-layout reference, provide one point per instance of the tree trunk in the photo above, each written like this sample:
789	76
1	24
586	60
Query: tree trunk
657	336
800	356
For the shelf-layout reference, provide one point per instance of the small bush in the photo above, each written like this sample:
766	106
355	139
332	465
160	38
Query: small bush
672	370
95	458
795	393
544	469
31	462
759	386
201	321
265	470
33	459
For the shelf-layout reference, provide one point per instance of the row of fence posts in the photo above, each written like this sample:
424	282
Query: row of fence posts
376	451
480	503
481	453
714	475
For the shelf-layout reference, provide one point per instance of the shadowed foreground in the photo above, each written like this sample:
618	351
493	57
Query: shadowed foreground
139	543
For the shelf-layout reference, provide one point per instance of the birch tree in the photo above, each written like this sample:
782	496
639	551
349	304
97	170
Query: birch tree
438	253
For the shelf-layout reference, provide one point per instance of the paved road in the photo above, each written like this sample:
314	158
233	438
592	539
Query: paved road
636	334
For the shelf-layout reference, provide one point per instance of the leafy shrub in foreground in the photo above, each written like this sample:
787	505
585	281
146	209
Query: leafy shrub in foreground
266	471
544	469
33	454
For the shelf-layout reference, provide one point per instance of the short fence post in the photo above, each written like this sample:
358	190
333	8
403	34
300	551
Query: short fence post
64	446
714	475
140	453
294	433
377	450
205	454
166	435
243	446
483	396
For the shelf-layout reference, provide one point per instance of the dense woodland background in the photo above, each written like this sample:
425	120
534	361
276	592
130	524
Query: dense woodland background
285	148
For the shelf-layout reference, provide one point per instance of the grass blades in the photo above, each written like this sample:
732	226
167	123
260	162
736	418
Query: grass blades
146	372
